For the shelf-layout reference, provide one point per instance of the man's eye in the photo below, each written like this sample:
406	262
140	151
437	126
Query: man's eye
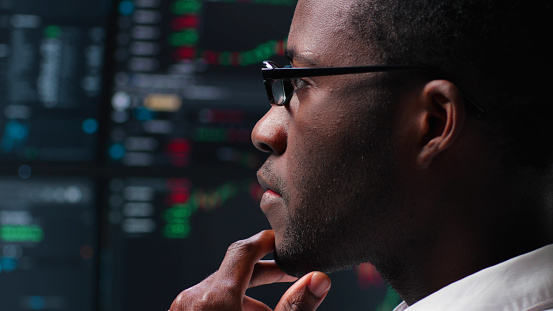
298	83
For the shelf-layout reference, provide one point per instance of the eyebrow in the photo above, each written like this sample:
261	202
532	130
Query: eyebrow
292	56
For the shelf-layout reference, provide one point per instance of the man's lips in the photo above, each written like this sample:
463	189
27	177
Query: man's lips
272	202
265	184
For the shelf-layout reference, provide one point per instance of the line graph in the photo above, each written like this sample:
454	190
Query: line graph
187	25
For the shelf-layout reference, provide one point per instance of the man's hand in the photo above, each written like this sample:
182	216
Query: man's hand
242	269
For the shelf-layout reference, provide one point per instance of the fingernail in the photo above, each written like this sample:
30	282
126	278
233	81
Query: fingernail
319	284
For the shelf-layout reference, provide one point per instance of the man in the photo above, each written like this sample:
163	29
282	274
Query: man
439	175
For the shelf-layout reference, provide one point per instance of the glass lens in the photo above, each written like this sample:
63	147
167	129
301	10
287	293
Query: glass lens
279	95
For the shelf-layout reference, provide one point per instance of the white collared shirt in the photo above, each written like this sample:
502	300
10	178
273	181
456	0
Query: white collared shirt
523	283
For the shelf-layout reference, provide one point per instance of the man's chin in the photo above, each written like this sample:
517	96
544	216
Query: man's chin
292	266
297	261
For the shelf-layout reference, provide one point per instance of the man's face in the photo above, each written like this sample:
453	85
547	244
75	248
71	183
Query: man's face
329	172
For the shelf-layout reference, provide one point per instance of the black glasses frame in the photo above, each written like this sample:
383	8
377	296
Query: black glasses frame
272	72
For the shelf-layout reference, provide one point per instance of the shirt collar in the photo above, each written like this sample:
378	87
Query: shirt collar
521	283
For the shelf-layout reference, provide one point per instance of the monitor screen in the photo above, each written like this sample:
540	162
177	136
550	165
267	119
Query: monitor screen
48	242
52	62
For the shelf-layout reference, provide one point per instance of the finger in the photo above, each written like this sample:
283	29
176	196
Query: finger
267	272
250	304
241	256
306	294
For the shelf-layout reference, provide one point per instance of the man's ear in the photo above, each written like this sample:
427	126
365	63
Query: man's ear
442	120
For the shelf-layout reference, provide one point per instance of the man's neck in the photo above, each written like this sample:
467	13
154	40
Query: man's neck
465	243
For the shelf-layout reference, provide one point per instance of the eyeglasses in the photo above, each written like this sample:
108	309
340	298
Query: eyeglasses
280	89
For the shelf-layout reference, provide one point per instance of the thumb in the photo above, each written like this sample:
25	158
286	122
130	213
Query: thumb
306	294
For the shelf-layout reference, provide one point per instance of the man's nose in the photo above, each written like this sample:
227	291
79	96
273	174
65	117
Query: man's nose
270	134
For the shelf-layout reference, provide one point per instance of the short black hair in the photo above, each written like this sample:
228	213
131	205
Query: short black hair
499	51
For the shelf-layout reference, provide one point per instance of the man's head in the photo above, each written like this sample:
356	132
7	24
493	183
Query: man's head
365	167
498	51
